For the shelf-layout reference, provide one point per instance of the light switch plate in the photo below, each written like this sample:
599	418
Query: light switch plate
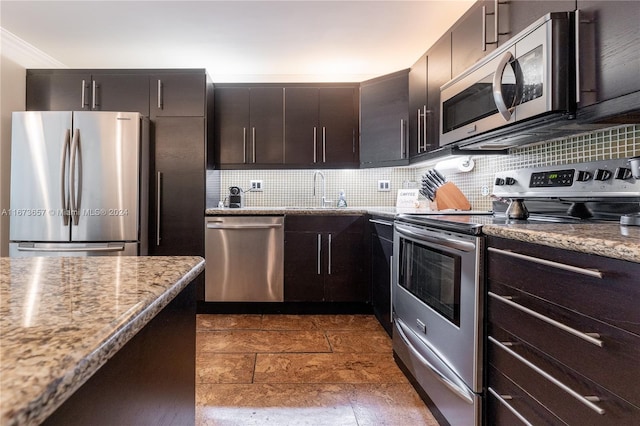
256	185
384	185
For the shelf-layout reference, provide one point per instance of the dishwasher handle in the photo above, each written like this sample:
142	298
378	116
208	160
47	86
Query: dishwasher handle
217	225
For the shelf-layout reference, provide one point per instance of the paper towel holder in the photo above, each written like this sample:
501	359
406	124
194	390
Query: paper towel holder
455	165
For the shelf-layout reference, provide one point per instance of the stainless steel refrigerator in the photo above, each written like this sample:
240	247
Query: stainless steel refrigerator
79	184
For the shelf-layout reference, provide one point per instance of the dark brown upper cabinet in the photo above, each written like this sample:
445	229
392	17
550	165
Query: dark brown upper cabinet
609	37
384	116
249	126
321	126
418	106
178	94
85	90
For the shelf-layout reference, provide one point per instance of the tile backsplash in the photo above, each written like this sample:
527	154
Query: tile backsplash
291	188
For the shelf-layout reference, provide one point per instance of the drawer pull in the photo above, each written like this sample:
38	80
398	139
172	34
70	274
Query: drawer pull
589	272
586	400
592	338
503	400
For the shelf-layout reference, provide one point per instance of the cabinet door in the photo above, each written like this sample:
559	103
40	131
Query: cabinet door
611	29
337	126
231	121
266	140
58	92
180	203
120	92
301	126
303	267
381	253
468	43
180	94
439	72
519	14
417	105
384	120
345	273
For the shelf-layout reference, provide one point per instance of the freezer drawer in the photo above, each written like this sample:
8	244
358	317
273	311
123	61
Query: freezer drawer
244	259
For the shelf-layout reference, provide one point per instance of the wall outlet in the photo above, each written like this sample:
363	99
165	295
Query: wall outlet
256	185
384	185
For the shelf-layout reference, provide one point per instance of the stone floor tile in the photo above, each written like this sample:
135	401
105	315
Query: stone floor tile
214	367
227	321
357	341
262	341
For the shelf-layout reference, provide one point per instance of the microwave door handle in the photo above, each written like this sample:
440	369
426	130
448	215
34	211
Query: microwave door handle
497	86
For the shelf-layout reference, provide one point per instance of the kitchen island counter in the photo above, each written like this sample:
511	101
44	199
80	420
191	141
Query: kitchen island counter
62	319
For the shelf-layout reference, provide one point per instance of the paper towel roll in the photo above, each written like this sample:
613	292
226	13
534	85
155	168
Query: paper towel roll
455	165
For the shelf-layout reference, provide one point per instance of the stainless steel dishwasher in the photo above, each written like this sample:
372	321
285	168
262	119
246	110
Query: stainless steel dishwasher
245	259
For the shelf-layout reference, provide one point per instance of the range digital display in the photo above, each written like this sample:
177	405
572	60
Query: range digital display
551	179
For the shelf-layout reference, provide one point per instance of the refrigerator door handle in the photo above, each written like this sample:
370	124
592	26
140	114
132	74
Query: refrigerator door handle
111	247
63	176
75	149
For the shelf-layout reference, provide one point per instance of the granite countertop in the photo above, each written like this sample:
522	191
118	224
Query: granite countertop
602	239
389	212
63	318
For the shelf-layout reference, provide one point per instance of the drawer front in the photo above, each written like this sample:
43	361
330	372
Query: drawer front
611	298
509	405
326	223
570	396
572	346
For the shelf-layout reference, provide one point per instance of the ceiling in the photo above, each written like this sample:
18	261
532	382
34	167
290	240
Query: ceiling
236	41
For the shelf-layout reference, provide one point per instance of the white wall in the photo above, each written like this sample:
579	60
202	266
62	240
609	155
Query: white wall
15	57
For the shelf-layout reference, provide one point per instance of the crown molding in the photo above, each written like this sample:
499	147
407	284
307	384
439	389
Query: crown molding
25	54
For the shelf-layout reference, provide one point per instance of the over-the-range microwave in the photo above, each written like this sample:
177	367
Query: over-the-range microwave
518	94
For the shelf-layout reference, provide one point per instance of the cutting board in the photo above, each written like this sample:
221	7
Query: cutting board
449	196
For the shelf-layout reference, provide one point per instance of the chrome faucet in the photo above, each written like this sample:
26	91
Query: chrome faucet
323	201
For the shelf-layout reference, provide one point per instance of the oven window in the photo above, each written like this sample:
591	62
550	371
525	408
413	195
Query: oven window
433	276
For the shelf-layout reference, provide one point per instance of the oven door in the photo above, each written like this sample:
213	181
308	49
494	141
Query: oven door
437	296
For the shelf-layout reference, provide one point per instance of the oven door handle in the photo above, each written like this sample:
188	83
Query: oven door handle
450	380
441	241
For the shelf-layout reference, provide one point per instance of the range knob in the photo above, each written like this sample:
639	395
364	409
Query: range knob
509	181
602	174
622	173
499	182
583	176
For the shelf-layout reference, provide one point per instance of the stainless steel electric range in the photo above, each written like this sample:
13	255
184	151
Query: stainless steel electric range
438	289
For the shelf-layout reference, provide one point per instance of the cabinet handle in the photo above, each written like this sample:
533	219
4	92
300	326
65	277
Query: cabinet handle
484	28
329	269
158	206
401	138
324	144
94	95
586	400
160	94
319	249
589	272
315	145
592	338
496	21
82	94
419	132
502	399
244	145
424	129
391	284
253	136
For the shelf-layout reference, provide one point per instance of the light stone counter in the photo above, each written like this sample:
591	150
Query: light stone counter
389	212
602	239
63	318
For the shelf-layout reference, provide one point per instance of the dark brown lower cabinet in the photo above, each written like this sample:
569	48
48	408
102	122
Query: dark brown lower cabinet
324	259
381	267
563	339
149	381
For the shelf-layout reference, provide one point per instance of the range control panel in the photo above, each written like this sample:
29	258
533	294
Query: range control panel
607	178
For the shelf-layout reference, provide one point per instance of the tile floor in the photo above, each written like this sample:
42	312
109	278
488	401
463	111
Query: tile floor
300	370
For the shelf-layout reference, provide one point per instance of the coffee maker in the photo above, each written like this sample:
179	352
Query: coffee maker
236	197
